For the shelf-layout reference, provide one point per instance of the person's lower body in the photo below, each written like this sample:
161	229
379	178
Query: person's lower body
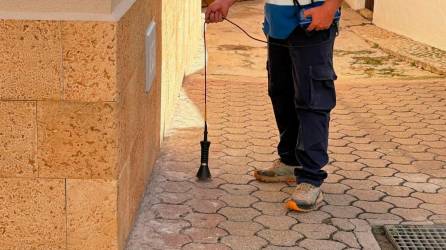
301	88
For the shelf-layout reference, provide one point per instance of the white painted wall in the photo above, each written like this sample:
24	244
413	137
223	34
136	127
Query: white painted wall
92	6
89	10
356	4
423	21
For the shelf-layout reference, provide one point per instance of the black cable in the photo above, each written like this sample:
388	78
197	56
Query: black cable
273	43
205	85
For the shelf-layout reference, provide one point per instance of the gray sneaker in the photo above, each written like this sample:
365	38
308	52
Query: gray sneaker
279	172
305	197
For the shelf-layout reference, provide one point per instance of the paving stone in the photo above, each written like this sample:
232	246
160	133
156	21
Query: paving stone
435	208
244	242
360	184
276	222
387	180
361	225
333	178
352	166
347	238
205	206
174	198
321	244
310	217
395	190
395	156
342	211
236	178
283	248
430	198
167	211
199	246
366	195
315	231
367	241
248	228
205	235
238	189
204	220
270	208
344	157
167	226
438	219
176	176
260	149
239	214
236	152
236	144
403	202
377	163
413	177
381	219
422	187
176	187
271	196
373	206
404	168
356	175
238	200
270	187
334	188
343	224
380	171
339	199
280	238
411	214
368	154
429	164
206	193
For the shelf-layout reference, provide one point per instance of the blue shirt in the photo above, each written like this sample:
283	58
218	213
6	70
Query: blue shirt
282	17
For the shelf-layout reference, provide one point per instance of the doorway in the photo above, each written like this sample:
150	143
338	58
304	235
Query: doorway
370	4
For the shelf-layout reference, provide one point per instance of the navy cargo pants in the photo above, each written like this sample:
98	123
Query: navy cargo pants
302	91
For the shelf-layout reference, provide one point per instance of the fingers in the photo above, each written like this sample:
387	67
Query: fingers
308	13
312	26
219	17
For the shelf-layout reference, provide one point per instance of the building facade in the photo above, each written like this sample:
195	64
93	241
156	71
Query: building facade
79	130
423	21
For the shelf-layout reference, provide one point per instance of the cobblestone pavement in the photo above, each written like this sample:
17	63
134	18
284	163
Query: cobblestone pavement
387	148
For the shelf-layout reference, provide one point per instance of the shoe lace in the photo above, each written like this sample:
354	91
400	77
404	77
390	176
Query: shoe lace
304	187
277	163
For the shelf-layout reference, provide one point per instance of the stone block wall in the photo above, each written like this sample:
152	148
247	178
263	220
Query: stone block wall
78	133
179	48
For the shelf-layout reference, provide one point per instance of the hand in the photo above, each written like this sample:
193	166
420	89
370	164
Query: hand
322	17
218	10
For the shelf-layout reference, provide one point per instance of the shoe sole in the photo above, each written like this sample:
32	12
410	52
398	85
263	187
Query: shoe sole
293	206
269	179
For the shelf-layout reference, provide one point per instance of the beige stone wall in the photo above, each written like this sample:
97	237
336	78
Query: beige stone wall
356	4
78	133
423	21
179	48
90	6
139	112
59	134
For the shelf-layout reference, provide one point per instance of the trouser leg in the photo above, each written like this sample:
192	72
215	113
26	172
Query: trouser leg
281	92
315	97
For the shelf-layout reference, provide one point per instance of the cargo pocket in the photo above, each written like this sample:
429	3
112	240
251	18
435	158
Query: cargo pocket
322	88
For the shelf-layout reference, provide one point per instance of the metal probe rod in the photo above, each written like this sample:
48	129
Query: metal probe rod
204	173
